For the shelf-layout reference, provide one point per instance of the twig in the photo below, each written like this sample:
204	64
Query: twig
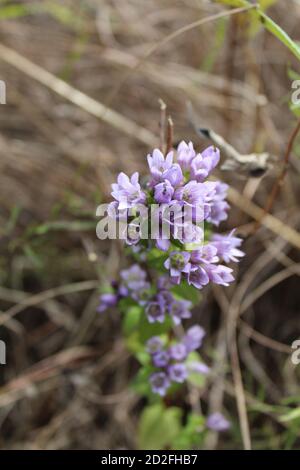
162	125
280	180
170	131
76	97
46	295
170	38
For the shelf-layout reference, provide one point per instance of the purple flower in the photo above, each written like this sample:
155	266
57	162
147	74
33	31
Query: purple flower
185	154
207	254
143	294
163	283
217	422
179	310
174	175
198	367
162	168
192	193
193	338
198	277
177	372
106	301
134	277
219	274
159	383
178	352
154	345
227	247
218	206
158	164
204	163
161	359
155	312
163	192
128	191
178	263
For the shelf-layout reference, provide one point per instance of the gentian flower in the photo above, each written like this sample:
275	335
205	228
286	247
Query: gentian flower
227	247
193	338
185	154
204	163
219	274
106	301
128	191
178	263
160	358
155	312
154	344
163	192
217	422
177	372
160	383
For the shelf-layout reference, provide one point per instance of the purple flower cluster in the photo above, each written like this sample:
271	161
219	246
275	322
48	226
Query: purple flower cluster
183	201
133	284
171	363
164	303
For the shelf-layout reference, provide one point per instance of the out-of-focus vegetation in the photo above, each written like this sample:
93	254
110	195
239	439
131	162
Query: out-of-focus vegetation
67	381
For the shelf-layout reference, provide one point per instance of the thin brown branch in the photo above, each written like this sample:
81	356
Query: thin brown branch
170	132
280	180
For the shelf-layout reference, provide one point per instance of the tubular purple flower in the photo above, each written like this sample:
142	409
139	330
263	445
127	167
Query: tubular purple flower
198	277
198	368
158	165
178	263
154	345
179	310
133	277
161	359
193	338
155	312
218	206
204	163
106	301
217	422
178	352
206	254
219	274
177	372
160	383
128	191
192	193
185	154
227	247
163	192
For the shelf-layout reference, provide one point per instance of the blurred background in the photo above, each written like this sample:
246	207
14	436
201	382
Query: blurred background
66	384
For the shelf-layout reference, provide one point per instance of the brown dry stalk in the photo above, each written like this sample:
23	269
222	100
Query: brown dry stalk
280	180
171	37
76	97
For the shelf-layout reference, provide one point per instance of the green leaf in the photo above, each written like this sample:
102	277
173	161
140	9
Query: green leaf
192	434
158	427
71	226
187	292
146	329
291	416
132	319
234	3
195	378
278	32
13	11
